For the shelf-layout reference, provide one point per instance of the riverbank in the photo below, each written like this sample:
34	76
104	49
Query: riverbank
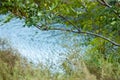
14	66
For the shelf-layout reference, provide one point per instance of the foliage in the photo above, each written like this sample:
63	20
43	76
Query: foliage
88	15
94	64
95	16
16	68
91	66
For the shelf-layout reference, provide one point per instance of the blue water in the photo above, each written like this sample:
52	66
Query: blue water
47	47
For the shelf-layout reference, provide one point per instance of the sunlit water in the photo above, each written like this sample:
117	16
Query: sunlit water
38	46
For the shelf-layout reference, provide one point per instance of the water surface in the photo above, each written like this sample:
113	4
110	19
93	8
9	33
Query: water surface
46	47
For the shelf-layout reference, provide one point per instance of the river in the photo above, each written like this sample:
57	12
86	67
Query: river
47	47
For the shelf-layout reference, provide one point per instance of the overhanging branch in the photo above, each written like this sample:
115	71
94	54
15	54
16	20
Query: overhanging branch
78	31
88	33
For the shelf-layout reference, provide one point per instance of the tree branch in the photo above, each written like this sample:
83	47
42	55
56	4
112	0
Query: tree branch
88	33
70	23
104	3
103	37
78	31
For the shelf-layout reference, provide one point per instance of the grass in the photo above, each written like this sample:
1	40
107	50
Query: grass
14	67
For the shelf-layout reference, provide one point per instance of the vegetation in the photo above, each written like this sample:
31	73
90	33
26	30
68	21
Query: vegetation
93	17
76	67
98	18
15	67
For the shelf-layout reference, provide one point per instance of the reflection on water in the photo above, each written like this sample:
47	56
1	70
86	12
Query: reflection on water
38	46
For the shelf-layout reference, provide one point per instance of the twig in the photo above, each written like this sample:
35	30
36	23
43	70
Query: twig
104	3
70	23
